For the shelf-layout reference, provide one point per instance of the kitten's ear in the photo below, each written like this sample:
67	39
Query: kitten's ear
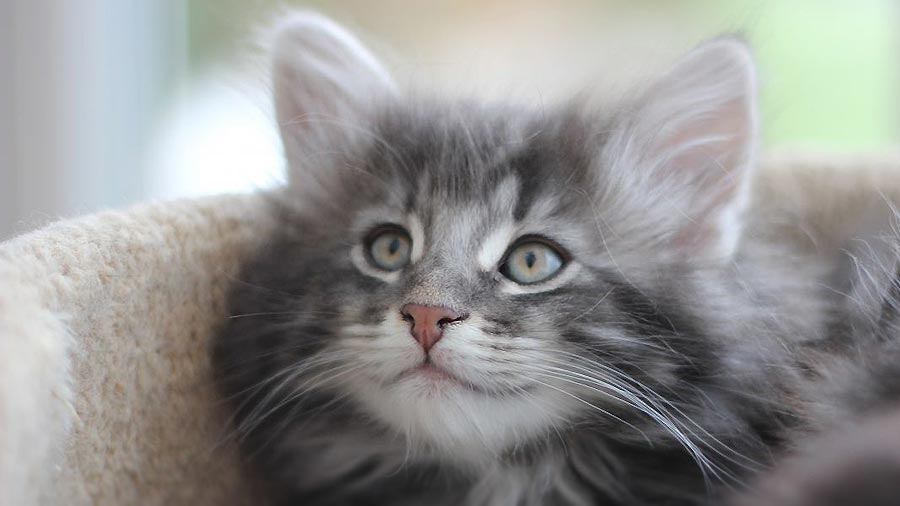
326	86
690	143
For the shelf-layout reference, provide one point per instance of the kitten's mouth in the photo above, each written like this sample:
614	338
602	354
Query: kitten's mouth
429	372
427	369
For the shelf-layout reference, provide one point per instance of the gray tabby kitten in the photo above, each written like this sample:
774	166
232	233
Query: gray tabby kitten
487	304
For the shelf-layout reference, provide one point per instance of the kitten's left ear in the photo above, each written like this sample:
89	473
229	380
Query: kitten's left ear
690	145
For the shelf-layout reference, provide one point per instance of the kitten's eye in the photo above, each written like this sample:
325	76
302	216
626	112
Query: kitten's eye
389	248
532	262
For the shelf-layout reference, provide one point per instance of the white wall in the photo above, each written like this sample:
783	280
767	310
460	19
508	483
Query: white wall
80	83
7	182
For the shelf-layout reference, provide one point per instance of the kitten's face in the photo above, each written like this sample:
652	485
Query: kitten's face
473	278
499	238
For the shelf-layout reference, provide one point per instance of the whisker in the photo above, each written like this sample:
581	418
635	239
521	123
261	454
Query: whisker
704	464
252	422
656	407
285	313
668	403
593	406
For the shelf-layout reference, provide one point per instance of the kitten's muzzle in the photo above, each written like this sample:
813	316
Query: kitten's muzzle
428	322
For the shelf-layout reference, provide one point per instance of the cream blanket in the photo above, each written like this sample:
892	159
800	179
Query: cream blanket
105	390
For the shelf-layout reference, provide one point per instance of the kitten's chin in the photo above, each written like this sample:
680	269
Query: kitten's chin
461	422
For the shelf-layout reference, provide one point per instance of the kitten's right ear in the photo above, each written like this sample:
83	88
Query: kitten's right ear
326	84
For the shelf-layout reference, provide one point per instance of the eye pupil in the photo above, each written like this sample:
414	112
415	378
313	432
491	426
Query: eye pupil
530	259
394	246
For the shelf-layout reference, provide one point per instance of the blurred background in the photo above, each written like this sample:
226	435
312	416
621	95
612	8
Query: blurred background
108	102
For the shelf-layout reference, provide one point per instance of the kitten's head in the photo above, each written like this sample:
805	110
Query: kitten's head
474	277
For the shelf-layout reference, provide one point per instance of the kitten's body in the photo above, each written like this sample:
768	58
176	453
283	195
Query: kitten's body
662	365
847	448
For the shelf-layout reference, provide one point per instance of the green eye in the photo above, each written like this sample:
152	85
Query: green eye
532	262
389	248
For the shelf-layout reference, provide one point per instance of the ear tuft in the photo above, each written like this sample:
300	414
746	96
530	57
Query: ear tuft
326	86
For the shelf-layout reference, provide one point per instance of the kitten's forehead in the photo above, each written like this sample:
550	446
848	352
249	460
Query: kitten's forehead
485	210
457	152
460	155
459	232
473	180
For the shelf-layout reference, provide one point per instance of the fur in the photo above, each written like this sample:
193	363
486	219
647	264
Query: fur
667	362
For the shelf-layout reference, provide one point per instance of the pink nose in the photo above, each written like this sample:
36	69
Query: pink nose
428	322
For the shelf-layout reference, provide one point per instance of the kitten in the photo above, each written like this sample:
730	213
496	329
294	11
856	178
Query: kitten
502	304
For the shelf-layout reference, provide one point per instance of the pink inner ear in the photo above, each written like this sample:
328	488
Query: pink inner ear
713	162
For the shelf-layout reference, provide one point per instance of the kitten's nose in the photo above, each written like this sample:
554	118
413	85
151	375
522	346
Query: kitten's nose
428	322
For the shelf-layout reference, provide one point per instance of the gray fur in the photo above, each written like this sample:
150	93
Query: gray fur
847	451
661	366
